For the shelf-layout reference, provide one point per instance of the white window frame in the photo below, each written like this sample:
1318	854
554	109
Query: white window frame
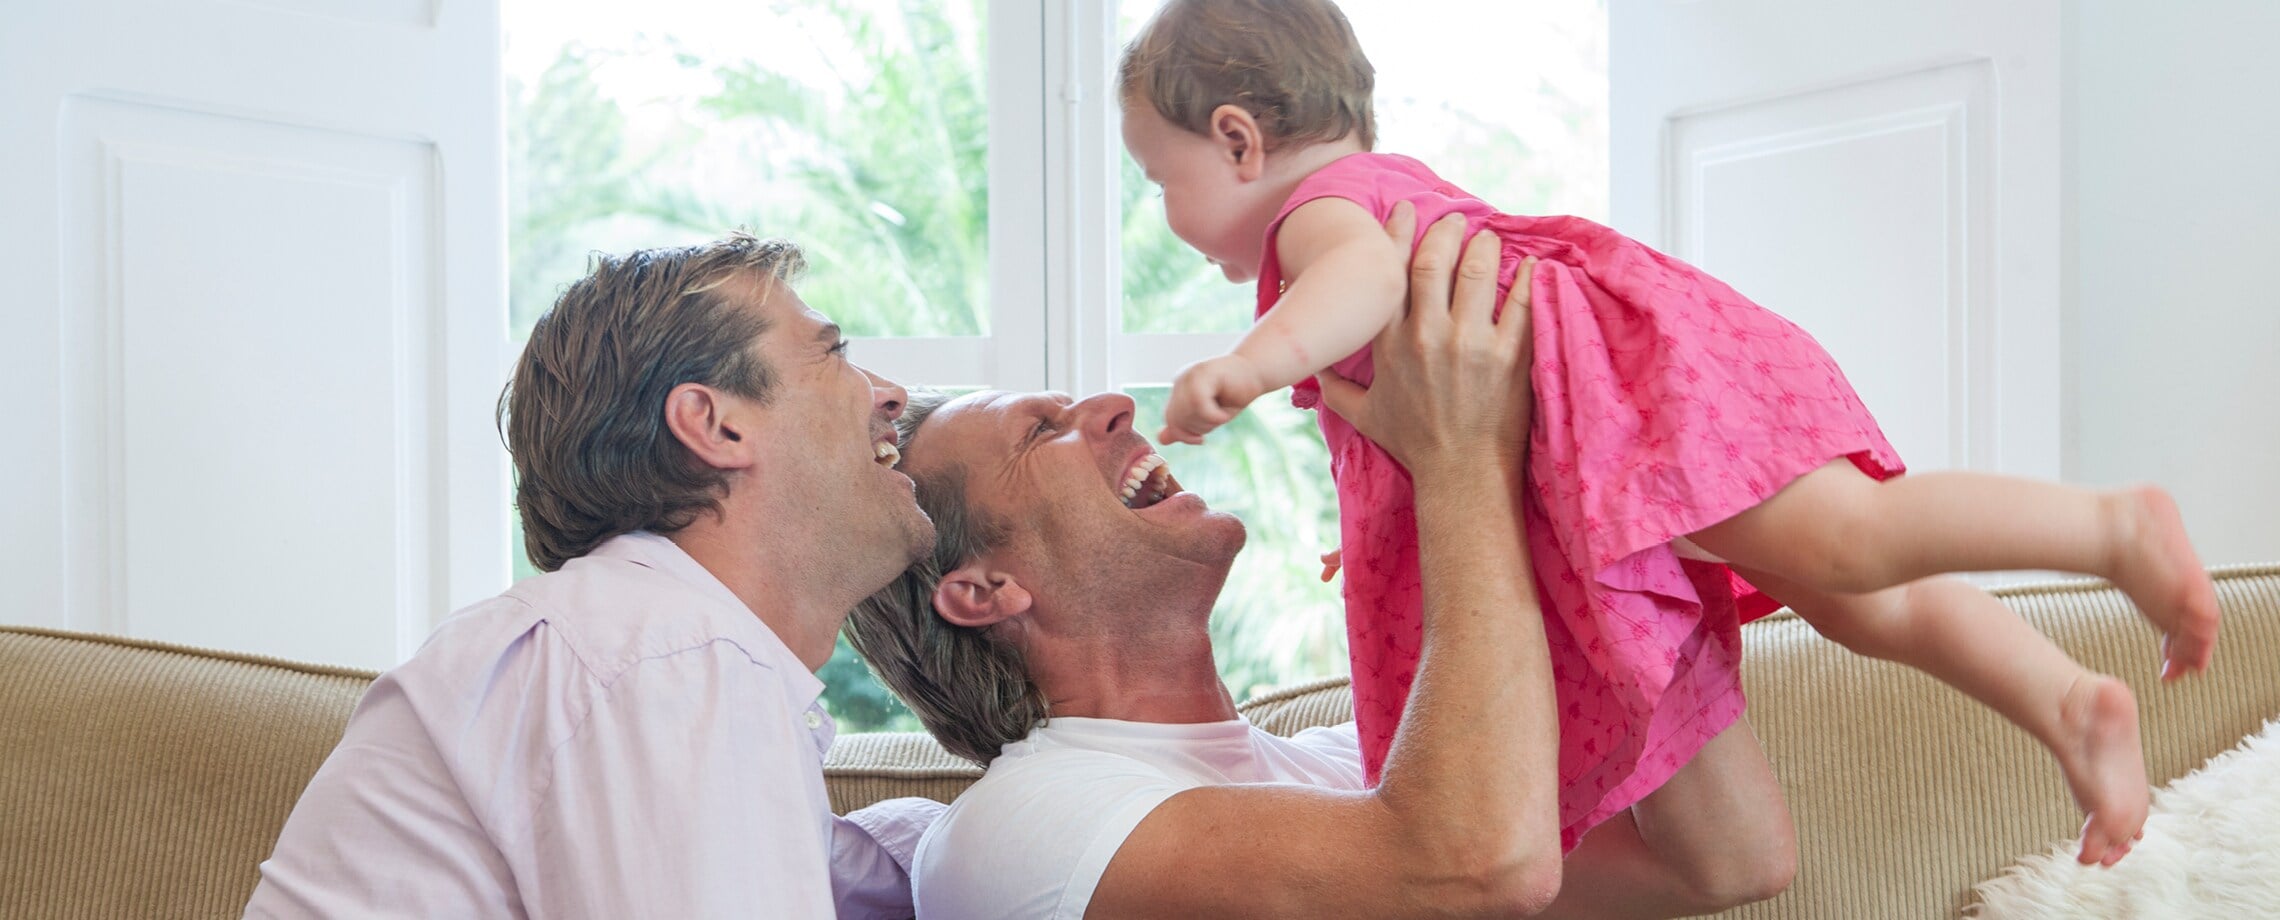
1055	225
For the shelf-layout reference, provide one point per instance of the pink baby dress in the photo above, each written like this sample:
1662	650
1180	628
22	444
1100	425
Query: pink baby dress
1665	402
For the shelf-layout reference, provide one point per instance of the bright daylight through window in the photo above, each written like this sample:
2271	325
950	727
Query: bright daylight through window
861	129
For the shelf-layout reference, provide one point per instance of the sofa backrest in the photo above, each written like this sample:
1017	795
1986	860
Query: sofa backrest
1905	792
139	779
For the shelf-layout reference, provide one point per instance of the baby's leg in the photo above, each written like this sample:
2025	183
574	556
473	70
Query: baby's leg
1959	634
1716	835
1839	531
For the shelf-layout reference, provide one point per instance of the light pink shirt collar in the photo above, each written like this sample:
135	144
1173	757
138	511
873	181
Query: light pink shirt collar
801	687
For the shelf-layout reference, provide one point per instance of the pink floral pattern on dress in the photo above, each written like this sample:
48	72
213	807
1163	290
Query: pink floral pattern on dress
1666	402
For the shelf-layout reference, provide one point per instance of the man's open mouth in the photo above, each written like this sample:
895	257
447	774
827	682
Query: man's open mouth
1147	482
884	453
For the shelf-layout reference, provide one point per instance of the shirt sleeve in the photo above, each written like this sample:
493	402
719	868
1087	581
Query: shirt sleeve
689	790
1013	847
871	851
1340	745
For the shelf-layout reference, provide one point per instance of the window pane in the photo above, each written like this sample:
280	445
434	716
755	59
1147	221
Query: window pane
856	127
1276	622
1507	100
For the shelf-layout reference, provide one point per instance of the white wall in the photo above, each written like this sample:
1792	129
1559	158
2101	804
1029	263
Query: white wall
254	320
1888	177
2173	358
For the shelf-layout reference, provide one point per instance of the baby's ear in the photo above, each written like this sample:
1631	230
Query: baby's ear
979	596
1240	141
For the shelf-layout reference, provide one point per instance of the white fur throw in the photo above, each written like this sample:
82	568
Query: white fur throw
2211	849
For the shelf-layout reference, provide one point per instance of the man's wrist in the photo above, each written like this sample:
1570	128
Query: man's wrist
1453	504
1467	469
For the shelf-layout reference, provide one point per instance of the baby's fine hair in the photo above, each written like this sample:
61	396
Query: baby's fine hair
1293	64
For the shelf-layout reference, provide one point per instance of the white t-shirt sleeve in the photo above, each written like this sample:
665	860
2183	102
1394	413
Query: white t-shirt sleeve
683	793
1340	744
1013	847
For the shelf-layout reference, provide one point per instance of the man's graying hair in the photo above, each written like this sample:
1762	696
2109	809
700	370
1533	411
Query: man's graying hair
970	688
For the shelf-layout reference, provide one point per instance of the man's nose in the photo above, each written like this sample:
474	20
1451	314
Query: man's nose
1106	413
887	395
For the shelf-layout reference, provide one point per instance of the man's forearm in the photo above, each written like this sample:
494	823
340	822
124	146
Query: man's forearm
1475	764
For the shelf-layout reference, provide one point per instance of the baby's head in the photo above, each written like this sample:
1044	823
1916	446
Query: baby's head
1292	64
1211	88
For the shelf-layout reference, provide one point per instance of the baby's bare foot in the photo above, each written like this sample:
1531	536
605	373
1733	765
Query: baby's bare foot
2098	750
2155	565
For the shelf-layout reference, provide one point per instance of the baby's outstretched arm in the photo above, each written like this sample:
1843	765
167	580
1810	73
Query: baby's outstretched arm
1345	276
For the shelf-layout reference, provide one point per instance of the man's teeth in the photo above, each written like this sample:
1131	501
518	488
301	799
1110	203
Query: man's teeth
1150	467
885	454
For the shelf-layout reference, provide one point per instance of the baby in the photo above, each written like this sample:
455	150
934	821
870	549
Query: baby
1690	449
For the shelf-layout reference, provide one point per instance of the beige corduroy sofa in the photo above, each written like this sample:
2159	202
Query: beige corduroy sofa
147	780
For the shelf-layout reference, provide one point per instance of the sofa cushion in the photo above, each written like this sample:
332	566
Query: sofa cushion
869	767
1288	710
143	779
139	779
1906	793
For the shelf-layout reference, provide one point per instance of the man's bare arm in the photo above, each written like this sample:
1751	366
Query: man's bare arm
1465	821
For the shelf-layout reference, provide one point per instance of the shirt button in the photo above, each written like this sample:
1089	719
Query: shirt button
814	720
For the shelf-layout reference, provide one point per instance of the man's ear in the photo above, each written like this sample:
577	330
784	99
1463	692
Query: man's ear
1240	141
711	424
978	595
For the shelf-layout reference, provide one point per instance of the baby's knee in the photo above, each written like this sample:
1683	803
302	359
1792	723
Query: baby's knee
1873	625
1751	871
1841	560
1771	873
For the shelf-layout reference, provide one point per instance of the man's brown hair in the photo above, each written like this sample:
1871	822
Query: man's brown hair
584	416
1293	64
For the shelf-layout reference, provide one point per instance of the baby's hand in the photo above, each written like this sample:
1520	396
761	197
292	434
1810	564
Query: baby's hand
1331	562
1206	395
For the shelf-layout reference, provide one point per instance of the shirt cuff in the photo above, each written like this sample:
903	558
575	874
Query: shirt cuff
897	824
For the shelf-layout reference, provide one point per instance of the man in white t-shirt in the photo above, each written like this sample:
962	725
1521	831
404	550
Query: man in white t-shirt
709	486
1072	578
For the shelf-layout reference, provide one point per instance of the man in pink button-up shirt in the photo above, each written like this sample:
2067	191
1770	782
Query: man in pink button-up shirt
709	485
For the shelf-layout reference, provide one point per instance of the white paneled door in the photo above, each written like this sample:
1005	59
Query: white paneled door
1887	175
256	319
